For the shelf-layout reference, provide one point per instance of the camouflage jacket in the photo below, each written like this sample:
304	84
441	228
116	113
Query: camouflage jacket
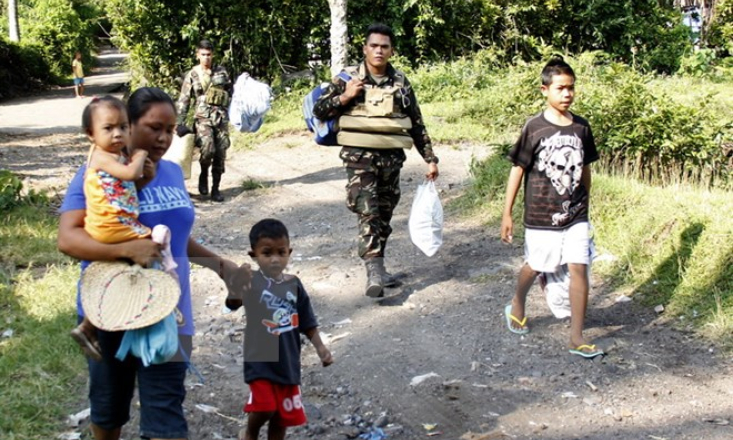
329	106
195	87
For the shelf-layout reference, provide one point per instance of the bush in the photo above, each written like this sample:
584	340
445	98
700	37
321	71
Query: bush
721	27
59	28
641	131
22	70
698	63
11	193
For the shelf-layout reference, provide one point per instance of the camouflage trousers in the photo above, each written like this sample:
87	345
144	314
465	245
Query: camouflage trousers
213	140
373	194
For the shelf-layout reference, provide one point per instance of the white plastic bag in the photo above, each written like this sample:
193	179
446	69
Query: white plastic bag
250	101
181	152
557	287
426	219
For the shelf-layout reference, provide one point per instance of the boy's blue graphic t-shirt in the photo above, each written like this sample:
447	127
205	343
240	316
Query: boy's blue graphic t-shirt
277	313
162	201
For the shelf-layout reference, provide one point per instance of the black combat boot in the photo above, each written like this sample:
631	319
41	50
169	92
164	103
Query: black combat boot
204	181
388	280
215	194
374	287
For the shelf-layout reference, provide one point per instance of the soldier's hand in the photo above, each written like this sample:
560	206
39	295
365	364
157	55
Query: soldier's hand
182	130
353	88
433	172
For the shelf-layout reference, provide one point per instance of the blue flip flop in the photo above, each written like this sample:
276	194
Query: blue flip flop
509	318
592	352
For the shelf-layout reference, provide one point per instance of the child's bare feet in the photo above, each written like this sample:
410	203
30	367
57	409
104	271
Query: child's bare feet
84	335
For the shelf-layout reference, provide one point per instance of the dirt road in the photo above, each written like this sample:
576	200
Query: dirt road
446	323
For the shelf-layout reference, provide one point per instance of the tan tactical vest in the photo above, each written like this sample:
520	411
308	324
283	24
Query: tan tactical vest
214	85
378	122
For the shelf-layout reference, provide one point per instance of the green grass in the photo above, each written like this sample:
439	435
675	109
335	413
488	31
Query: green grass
28	236
251	185
674	247
41	370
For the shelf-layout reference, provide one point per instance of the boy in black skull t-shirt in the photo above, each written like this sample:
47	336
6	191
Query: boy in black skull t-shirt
553	156
278	309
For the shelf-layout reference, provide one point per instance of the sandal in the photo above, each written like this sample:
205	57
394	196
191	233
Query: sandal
91	349
587	351
509	318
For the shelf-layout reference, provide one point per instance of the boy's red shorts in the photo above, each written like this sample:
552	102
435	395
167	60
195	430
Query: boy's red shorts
265	396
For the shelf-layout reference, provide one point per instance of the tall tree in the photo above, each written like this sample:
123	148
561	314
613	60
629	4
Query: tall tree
13	29
339	35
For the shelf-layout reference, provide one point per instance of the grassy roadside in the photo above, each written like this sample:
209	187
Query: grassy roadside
41	371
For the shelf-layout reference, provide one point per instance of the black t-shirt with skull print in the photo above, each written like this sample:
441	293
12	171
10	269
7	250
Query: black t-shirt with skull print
553	157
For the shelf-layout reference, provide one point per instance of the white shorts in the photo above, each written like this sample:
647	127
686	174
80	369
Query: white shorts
546	250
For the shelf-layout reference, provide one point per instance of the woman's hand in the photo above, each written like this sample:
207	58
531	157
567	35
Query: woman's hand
75	242
142	252
238	280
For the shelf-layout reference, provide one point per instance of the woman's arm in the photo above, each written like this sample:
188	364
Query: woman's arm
75	242
235	277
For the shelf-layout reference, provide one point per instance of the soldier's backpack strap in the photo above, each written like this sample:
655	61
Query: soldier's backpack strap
353	72
399	83
196	74
399	79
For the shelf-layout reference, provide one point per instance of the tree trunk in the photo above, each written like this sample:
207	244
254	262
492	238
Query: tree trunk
13	29
339	35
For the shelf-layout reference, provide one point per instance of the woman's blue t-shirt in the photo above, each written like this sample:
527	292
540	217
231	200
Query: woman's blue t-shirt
162	201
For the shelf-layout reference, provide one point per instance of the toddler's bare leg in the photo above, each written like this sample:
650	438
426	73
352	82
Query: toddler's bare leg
255	422
275	430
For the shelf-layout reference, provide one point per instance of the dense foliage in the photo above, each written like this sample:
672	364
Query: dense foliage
271	37
22	69
51	31
12	195
58	28
642	130
262	36
721	29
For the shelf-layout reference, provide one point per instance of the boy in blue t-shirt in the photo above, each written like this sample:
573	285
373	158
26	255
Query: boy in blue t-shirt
553	157
278	309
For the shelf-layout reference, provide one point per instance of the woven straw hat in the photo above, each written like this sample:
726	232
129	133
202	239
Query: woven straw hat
116	296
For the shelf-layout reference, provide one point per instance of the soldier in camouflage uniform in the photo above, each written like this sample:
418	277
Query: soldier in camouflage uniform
373	175
210	88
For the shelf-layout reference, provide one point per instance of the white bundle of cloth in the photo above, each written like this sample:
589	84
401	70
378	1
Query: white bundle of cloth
251	100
